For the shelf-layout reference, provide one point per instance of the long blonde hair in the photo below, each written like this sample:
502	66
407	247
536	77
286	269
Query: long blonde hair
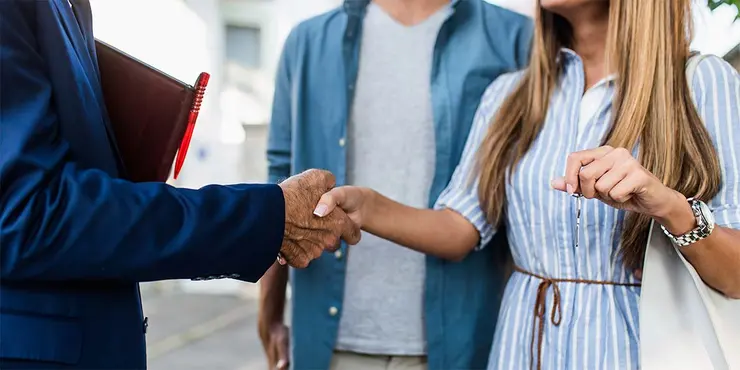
648	46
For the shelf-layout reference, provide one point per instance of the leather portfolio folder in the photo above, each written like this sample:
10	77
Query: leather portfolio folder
152	114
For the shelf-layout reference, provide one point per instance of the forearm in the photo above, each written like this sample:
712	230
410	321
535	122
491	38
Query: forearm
715	258
272	296
83	225
441	233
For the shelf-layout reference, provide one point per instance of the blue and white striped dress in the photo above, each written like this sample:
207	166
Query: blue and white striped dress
599	328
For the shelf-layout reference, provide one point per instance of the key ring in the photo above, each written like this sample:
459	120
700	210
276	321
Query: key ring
579	198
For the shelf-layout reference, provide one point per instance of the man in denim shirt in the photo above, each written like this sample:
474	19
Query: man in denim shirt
383	94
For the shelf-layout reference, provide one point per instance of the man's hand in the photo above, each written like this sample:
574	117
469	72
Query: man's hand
307	235
276	341
273	333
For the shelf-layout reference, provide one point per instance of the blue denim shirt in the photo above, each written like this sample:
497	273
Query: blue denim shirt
314	92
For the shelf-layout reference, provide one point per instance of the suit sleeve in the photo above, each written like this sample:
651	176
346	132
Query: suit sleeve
279	139
59	221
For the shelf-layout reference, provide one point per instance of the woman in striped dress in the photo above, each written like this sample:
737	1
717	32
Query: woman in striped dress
604	76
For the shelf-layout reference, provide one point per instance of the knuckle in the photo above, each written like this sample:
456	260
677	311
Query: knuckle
601	188
622	152
324	175
329	241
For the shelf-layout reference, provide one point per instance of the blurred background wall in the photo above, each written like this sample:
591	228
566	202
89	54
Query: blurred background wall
239	42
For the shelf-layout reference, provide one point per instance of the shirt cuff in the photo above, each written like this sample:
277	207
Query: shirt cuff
727	216
469	208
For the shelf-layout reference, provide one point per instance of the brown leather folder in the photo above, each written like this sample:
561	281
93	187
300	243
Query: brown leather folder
151	113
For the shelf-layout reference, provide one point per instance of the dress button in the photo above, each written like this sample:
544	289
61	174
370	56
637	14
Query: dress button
333	311
342	141
145	324
338	254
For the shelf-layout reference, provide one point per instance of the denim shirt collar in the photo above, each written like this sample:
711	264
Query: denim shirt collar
357	7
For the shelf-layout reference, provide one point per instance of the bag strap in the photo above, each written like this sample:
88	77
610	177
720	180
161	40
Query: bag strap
694	59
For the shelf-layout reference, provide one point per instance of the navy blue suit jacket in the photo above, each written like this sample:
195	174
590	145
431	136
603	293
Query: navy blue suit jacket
75	238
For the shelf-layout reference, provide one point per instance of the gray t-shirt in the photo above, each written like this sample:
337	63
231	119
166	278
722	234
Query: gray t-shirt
391	149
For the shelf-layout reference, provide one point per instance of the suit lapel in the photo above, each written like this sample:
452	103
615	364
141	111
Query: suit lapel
77	23
83	18
83	14
74	33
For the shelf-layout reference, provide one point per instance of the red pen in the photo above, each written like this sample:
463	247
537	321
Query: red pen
200	90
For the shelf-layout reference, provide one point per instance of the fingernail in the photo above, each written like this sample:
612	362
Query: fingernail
320	210
280	364
570	189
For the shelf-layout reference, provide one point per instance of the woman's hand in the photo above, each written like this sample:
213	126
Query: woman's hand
616	178
353	200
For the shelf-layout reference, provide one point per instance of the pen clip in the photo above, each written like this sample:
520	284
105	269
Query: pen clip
200	90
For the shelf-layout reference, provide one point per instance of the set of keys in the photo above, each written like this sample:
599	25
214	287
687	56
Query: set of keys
579	198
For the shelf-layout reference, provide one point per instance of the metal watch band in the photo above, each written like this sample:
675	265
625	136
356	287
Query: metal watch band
689	238
700	232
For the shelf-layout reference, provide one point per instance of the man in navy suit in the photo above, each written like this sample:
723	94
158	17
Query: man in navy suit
76	239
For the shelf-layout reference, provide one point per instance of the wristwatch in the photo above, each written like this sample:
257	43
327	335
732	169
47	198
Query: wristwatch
704	225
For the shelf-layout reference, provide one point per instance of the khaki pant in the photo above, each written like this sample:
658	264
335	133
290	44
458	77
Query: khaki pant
356	361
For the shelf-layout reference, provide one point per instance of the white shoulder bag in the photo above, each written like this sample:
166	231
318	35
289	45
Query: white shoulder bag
684	323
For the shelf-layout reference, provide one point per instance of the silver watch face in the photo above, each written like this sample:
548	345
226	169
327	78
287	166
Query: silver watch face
706	215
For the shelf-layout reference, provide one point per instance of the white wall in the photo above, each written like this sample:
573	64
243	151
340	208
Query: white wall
291	12
715	32
525	7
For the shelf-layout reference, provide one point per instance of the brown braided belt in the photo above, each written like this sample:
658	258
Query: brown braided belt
556	314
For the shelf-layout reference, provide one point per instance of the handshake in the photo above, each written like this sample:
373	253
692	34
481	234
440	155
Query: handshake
310	227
